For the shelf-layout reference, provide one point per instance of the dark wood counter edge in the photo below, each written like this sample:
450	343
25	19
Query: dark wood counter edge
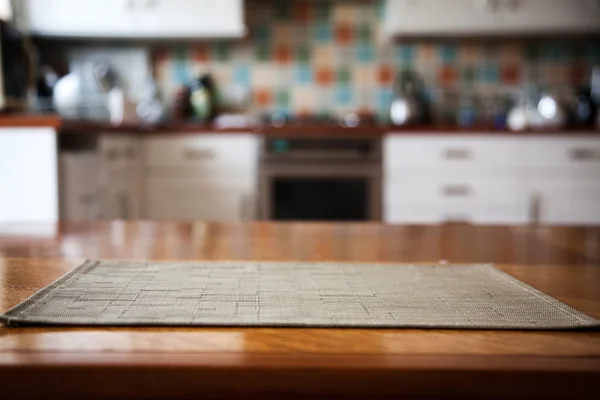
177	375
302	130
30	121
316	130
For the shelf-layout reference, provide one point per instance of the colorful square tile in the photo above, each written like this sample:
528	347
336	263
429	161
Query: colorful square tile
385	75
283	9
323	32
264	75
324	76
510	74
343	95
346	12
363	75
285	75
383	98
303	74
343	76
324	54
343	33
201	53
220	52
510	53
405	54
448	53
364	53
554	52
262	33
489	74
222	73
447	76
426	53
469	53
282	98
241	74
468	74
284	33
262	53
283	54
263	97
322	10
302	54
364	34
303	98
302	11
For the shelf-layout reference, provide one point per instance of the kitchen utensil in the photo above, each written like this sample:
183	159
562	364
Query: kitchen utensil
516	119
550	112
66	95
106	76
120	107
408	106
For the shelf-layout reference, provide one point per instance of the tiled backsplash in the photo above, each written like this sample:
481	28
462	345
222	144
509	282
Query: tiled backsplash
331	56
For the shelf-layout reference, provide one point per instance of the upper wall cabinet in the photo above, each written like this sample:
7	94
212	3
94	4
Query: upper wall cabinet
490	17
134	18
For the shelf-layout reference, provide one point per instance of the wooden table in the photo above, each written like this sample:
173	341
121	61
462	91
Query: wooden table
282	363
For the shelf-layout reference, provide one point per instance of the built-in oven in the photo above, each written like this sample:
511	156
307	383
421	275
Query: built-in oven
320	179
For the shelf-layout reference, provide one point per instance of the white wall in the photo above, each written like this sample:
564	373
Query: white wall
28	175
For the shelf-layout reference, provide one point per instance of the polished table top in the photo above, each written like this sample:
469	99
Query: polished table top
198	362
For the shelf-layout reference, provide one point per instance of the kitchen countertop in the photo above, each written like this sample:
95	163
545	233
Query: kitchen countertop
291	362
319	130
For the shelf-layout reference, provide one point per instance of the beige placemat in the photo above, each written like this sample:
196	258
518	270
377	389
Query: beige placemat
294	294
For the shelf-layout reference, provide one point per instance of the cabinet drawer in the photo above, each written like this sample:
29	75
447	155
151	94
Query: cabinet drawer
503	214
581	153
212	151
199	199
118	149
457	190
575	190
443	151
566	210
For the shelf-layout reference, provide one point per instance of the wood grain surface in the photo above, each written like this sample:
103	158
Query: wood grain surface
289	362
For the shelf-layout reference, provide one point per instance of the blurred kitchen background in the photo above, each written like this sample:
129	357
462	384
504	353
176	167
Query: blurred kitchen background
402	111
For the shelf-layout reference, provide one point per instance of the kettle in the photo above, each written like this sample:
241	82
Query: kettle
408	106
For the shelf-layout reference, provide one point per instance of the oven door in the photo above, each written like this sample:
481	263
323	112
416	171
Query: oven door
320	192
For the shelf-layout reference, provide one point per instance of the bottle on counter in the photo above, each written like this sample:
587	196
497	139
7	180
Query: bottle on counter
203	98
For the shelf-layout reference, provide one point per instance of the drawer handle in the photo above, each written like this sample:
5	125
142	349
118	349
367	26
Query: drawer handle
197	154
456	191
457	154
583	154
456	218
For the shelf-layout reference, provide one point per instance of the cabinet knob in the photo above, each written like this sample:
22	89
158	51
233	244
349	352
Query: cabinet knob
584	154
456	218
456	190
192	153
457	154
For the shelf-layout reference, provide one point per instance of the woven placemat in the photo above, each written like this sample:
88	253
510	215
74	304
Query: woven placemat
115	293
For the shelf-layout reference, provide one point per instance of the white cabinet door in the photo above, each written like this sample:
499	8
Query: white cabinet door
80	194
189	18
548	16
192	177
136	18
121	176
438	17
79	17
199	199
28	174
